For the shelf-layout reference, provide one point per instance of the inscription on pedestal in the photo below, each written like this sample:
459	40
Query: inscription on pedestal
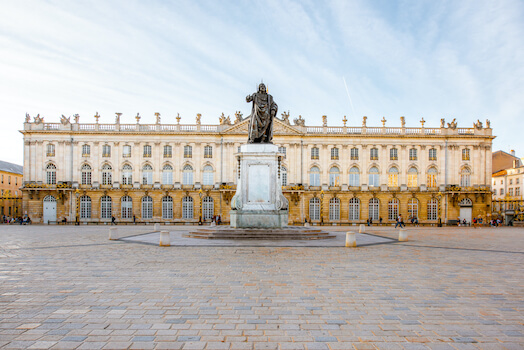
258	183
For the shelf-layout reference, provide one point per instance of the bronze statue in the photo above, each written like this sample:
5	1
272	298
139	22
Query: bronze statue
262	113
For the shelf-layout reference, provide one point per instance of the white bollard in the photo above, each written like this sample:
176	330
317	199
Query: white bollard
306	224
351	241
112	233
362	228
157	227
165	241
213	223
402	235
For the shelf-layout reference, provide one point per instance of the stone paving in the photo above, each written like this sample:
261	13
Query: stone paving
446	288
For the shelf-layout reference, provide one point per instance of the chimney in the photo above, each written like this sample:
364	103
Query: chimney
512	152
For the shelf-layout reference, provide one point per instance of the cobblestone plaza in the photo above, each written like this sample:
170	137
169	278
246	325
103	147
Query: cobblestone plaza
69	287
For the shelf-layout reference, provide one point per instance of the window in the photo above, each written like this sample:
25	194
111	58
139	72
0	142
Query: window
314	153
147	175
334	153
393	154
465	177
412	177
9	179
283	176
334	209
354	177
433	209
373	154
393	177
106	151
127	175
517	181
147	207
187	175
188	152
393	209
495	192
511	181
510	192
517	191
167	207
465	154
373	177
413	154
282	150
314	209
85	207
105	207
187	208
107	174
354	209
334	176
50	150
86	174
168	151
208	152
127	207
147	151
432	177
373	209
86	150
51	174
432	154
207	208
354	153
126	151
501	191
208	176
413	208
314	176
167	175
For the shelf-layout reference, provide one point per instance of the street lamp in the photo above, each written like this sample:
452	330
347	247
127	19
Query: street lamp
321	208
439	197
200	194
77	194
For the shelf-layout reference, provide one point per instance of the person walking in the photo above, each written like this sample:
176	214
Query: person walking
399	221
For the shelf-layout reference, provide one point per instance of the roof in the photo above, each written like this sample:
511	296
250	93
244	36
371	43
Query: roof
11	168
499	173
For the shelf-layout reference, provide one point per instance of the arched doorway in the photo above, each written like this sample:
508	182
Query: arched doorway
49	209
466	209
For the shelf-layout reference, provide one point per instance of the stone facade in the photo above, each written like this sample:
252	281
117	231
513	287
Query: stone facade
174	173
11	195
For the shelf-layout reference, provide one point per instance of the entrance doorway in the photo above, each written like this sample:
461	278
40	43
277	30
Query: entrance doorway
466	210
49	209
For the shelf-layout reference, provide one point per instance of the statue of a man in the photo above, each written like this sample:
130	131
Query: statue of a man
262	113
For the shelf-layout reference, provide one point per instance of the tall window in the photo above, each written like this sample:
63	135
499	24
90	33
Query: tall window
187	208
86	150
207	208
147	175
432	177
465	154
354	177
314	176
393	177
334	153
354	209
373	209
51	174
373	177
354	153
50	150
393	154
127	174
188	152
127	207
208	152
126	153
283	175
413	154
85	207
105	207
86	174
147	151
282	150
314	209
465	177
413	208
167	175
106	151
432	154
373	154
147	207
334	176
314	153
334	209
168	151
167	207
208	176
393	205
412	177
187	175
433	209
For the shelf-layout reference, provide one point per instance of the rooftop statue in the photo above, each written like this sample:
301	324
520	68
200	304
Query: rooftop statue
262	113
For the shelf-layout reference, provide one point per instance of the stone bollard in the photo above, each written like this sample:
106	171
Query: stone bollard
213	223
362	228
402	235
306	224
157	227
165	241
351	241
112	233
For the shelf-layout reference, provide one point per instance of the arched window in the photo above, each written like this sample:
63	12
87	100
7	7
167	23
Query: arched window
86	174
127	207
466	202
167	175
393	177
334	176
314	209
207	208
465	177
187	208
85	207
49	198
105	207
334	209
393	205
127	175
51	174
314	176
413	208
432	177
373	177
433	209
187	175
373	209
147	207
107	174
147	175
412	177
167	207
208	176
354	177
354	209
283	175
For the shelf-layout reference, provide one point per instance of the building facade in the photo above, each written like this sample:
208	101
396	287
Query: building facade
10	192
179	173
508	187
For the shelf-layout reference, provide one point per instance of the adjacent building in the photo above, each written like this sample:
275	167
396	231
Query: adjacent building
10	193
508	187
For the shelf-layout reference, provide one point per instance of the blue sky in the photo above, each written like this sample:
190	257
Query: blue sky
430	59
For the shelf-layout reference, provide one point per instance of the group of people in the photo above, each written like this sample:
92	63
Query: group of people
21	220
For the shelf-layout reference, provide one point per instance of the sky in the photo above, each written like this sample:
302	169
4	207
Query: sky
379	58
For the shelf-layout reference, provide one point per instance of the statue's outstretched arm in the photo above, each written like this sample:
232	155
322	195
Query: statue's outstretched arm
249	98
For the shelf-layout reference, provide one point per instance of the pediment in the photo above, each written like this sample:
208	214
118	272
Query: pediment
279	128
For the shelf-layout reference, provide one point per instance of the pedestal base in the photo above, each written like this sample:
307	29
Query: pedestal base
258	218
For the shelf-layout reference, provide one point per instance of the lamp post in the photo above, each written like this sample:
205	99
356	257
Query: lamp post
200	194
321	208
439	197
77	216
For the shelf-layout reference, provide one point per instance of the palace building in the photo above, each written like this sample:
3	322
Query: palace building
179	173
10	195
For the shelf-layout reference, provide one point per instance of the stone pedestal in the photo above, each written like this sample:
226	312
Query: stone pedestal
258	201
